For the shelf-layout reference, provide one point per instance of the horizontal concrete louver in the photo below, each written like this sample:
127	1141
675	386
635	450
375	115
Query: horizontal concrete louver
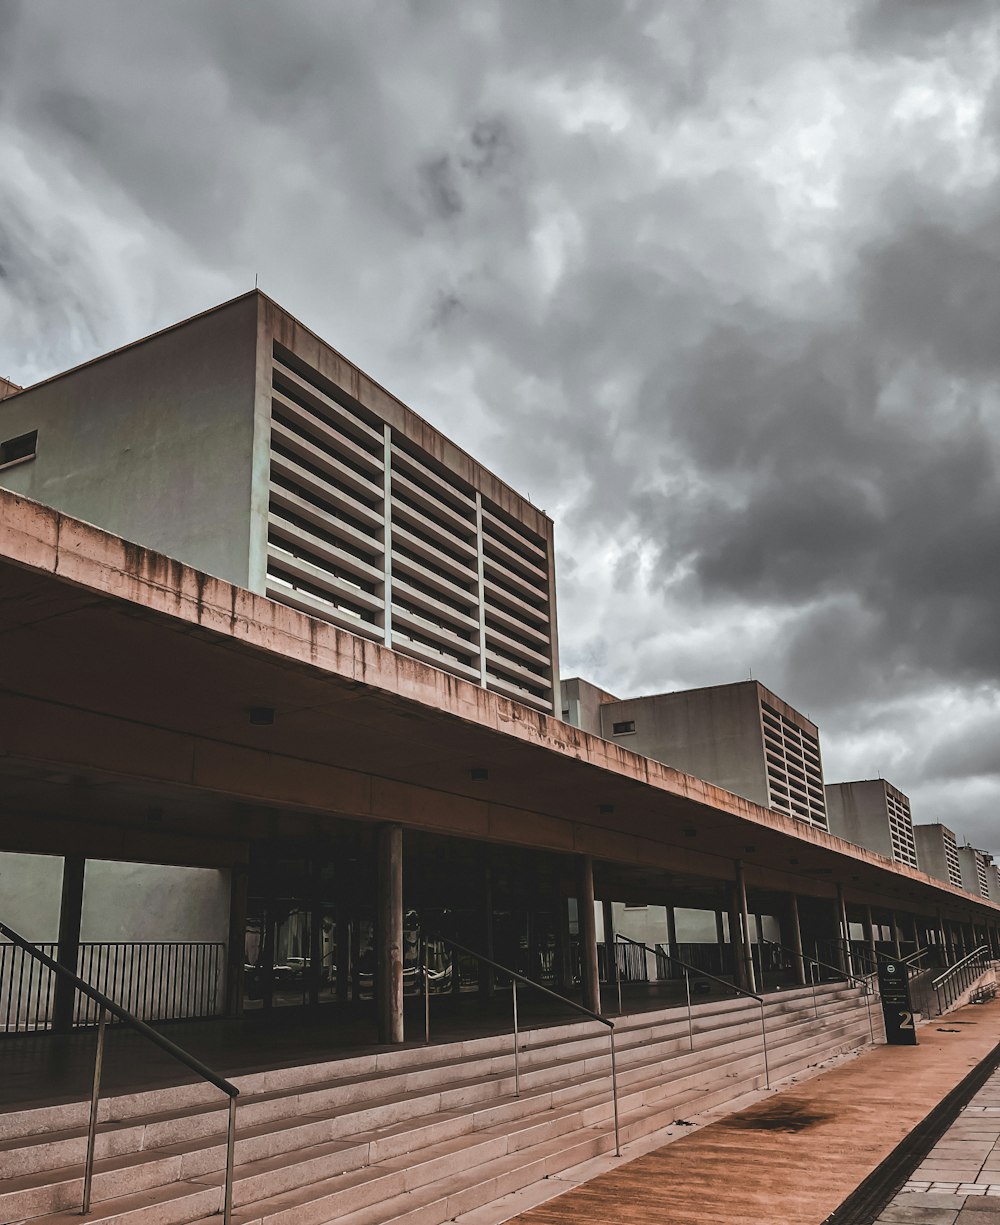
326	524
981	877
435	566
951	859
794	770
904	847
516	610
367	531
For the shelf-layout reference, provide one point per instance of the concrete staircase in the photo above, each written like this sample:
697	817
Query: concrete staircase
418	1135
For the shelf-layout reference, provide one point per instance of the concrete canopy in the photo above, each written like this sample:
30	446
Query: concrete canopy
126	685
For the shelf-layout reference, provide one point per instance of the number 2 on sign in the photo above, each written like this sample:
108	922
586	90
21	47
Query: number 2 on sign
905	1020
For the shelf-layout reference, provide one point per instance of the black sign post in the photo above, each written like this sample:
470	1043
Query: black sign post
894	987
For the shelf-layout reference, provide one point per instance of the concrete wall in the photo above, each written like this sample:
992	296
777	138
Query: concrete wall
30	888
968	858
856	811
930	850
714	734
139	901
581	704
153	442
121	901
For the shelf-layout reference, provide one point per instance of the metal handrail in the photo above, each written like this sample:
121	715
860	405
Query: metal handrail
959	965
851	978
856	979
108	1006
949	985
688	971
516	978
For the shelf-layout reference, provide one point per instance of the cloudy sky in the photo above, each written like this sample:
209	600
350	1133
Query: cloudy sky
716	284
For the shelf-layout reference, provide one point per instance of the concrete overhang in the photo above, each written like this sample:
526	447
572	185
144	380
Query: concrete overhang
126	681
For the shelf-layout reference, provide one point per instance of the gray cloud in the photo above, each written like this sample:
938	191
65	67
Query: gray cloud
718	288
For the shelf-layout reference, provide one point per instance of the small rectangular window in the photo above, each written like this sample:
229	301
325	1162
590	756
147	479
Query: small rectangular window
620	729
16	450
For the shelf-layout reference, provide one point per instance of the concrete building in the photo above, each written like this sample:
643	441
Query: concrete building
741	737
242	444
353	800
937	853
993	880
873	813
7	388
974	865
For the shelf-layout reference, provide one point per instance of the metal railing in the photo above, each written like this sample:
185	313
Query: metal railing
811	964
516	978
108	1008
154	980
659	953
959	977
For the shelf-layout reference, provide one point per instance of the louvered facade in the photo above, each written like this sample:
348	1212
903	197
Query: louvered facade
794	768
904	848
370	528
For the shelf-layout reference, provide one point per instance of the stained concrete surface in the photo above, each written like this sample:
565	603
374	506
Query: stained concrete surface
794	1157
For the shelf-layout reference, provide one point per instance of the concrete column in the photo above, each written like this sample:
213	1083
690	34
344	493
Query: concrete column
951	944
895	934
736	937
741	898
720	939
870	925
798	961
610	952
845	932
239	880
389	934
68	955
588	933
672	948
916	933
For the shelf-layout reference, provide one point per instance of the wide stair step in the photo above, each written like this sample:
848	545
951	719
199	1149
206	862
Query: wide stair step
415	1133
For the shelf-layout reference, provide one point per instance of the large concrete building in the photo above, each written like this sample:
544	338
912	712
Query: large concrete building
974	866
262	624
873	813
242	444
937	853
741	737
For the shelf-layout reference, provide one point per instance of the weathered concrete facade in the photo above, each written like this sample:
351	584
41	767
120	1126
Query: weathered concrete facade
873	813
937	853
741	737
242	444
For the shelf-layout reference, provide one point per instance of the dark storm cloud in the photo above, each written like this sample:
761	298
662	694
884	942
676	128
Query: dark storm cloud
716	285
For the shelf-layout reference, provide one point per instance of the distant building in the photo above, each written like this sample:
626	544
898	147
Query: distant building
7	388
975	877
741	737
993	879
937	853
874	814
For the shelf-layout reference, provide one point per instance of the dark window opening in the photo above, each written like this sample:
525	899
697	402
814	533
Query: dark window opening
16	449
619	729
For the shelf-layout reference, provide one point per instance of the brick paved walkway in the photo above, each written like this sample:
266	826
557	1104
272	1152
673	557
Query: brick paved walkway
959	1182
